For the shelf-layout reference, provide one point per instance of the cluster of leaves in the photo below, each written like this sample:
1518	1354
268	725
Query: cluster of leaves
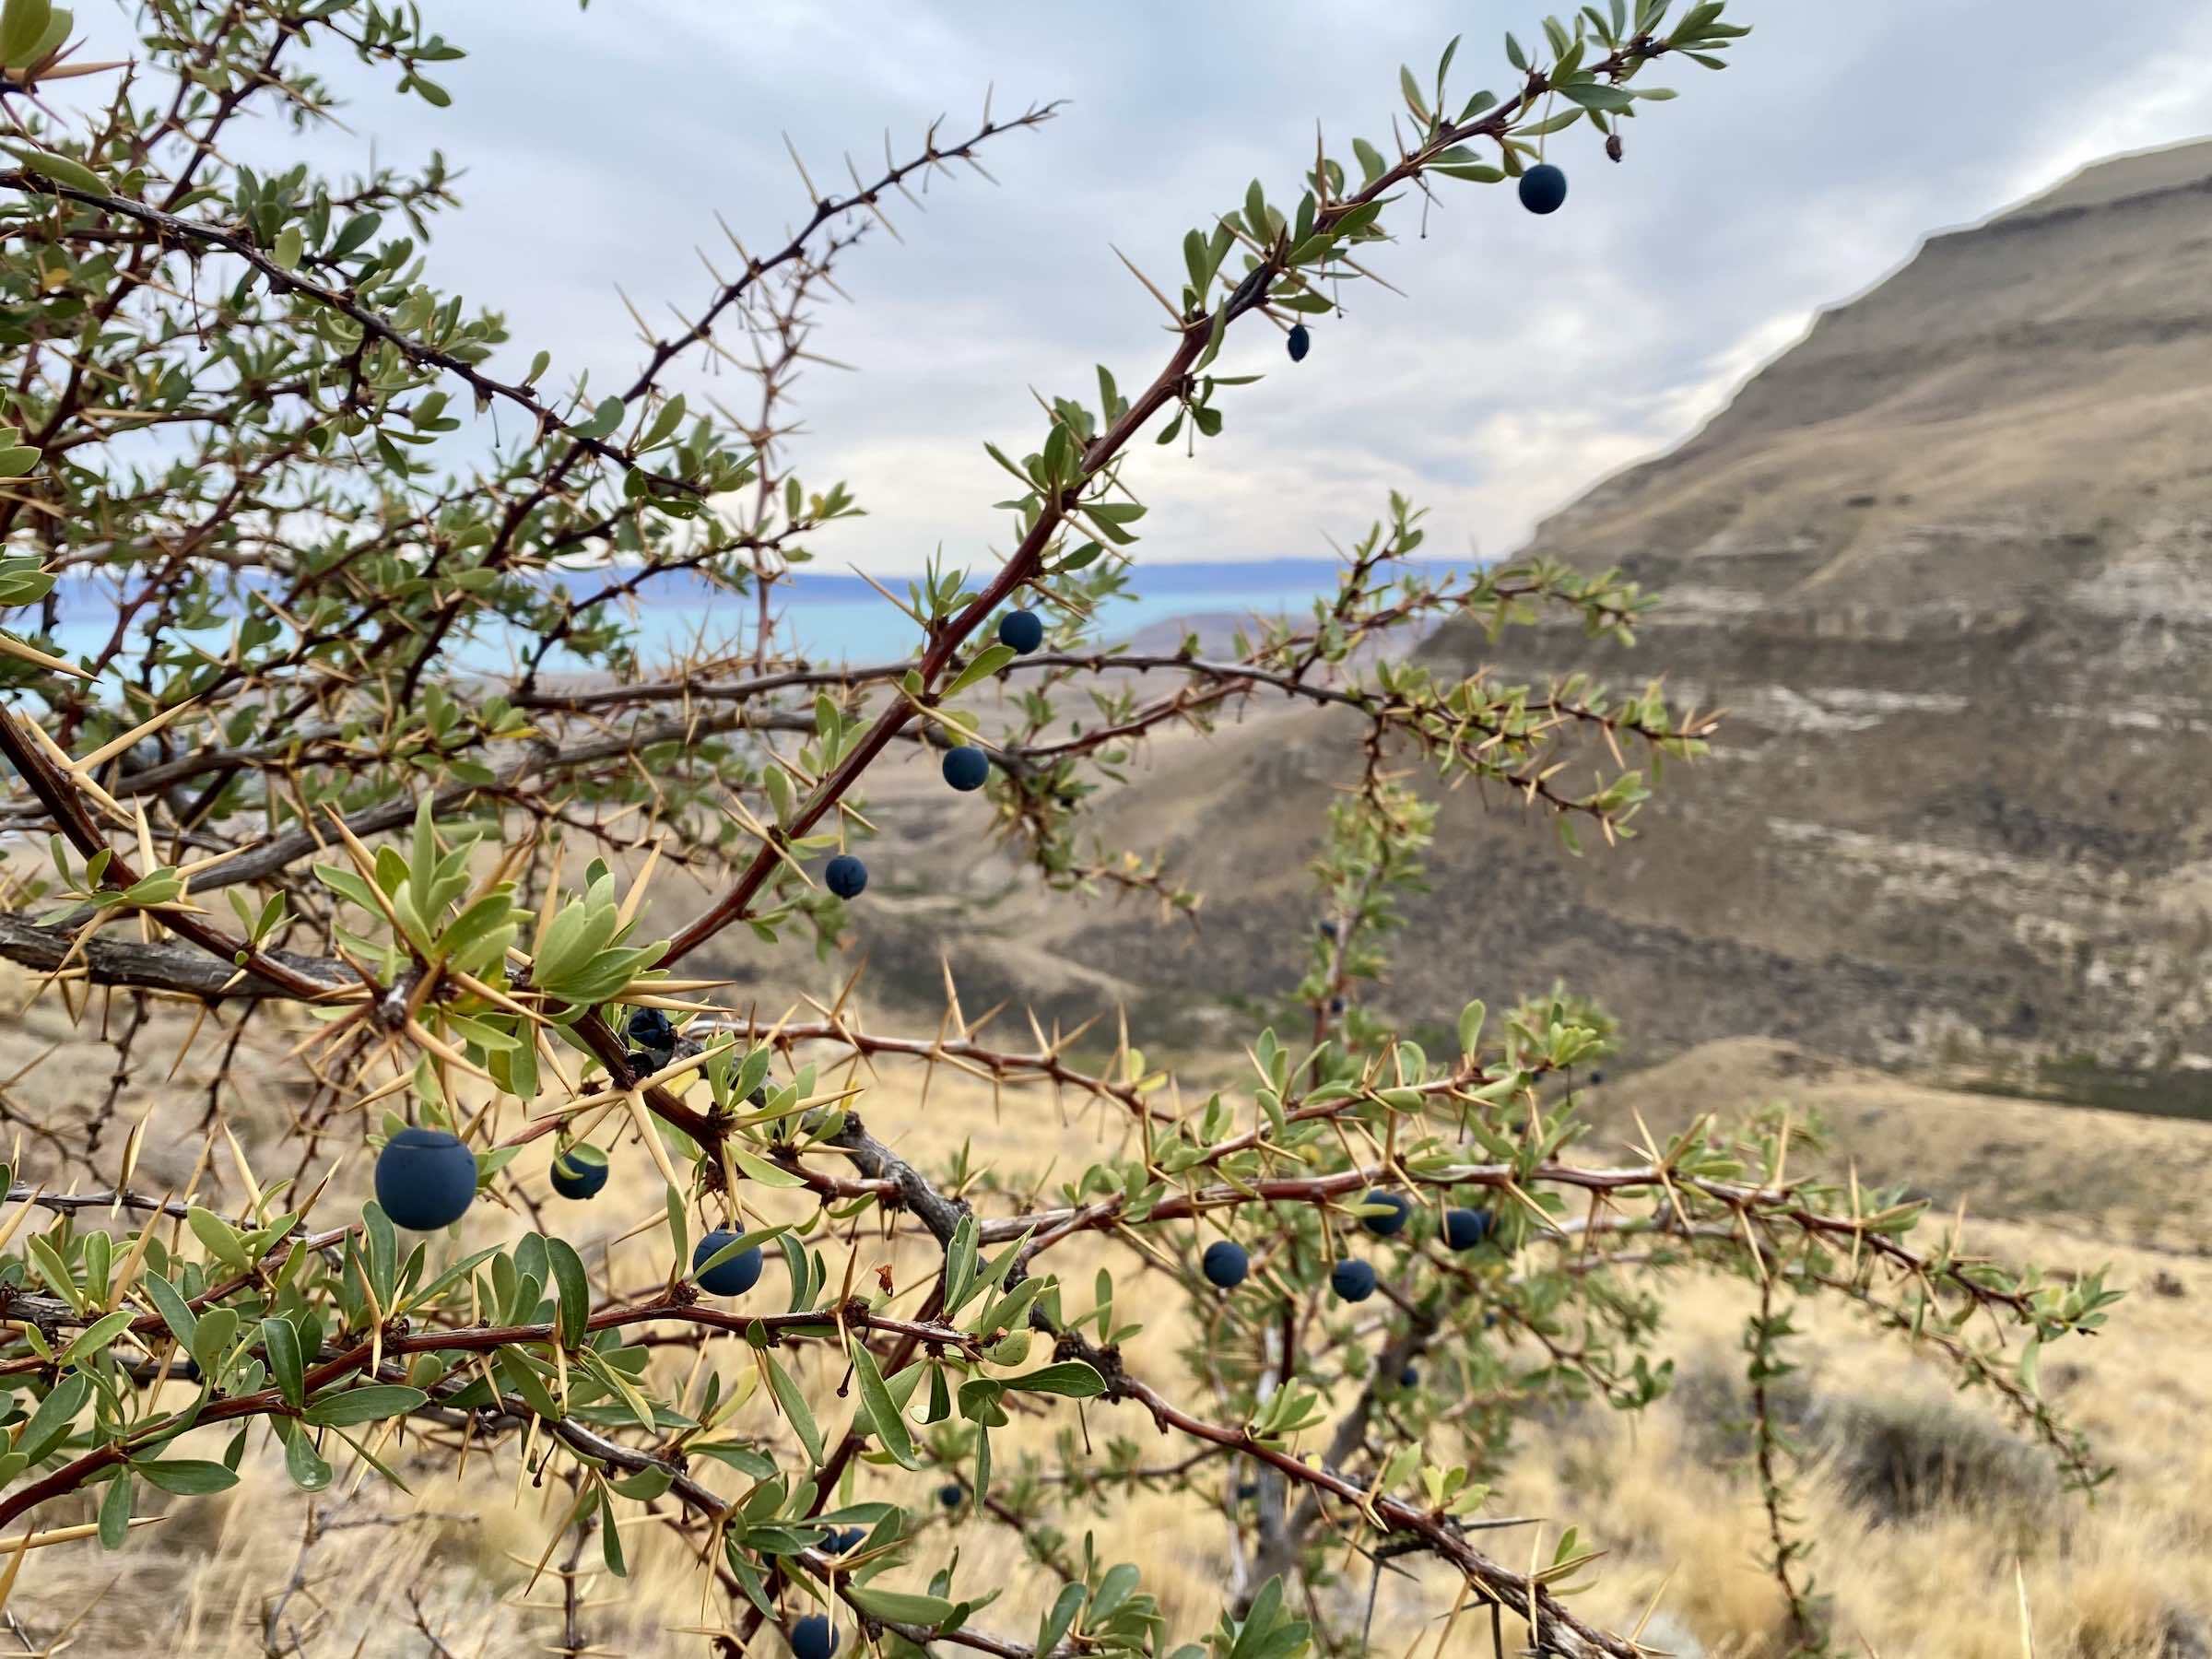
241	421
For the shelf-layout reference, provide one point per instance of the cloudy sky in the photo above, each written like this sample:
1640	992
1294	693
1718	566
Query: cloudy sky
1529	358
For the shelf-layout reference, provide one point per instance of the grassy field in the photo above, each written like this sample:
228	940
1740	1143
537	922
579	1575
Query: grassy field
1925	1508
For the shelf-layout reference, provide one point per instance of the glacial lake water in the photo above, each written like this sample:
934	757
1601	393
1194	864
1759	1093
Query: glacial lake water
828	617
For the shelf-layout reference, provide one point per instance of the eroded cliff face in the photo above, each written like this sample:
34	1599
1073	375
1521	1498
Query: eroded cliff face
1947	563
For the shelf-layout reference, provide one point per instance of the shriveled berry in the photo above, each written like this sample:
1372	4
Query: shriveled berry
1543	188
733	1277
1301	343
1022	629
965	767
1465	1228
845	875
1225	1263
1353	1280
425	1179
812	1638
580	1171
1394	1220
653	1030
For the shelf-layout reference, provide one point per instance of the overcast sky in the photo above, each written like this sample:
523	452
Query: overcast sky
1529	358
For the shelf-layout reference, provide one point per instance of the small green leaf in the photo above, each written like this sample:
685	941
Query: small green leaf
1072	1379
882	1410
187	1476
365	1405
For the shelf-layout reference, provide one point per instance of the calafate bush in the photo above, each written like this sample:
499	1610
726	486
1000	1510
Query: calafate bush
370	788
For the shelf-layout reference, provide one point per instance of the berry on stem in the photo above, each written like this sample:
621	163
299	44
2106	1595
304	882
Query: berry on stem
966	767
1465	1228
1022	629
653	1030
845	877
1543	188
812	1638
580	1172
1225	1263
1385	1226
1353	1280
425	1179
1301	343
733	1277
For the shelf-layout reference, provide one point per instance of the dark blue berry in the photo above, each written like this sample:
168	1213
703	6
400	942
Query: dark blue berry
965	767
1384	1226
733	1277
1335	1005
1022	629
641	1064
1543	188
577	1176
1410	1377
1597	1078
1465	1228
1248	1492
1225	1263
1354	1281
812	1638
843	1539
1301	343
1328	930
425	1179
846	876
950	1494
653	1030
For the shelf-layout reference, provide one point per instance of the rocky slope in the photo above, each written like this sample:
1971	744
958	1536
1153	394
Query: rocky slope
1948	562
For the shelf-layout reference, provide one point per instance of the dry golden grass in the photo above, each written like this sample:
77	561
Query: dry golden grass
2130	1578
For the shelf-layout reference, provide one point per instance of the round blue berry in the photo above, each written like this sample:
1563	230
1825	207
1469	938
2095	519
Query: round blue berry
842	1539
1410	1377
1301	343
1328	930
812	1638
845	877
653	1030
1225	1263
950	1494
1393	1221
1597	1078
1543	188
733	1277
1353	1280
1248	1492
1465	1228
966	767
1022	629
580	1172
425	1179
